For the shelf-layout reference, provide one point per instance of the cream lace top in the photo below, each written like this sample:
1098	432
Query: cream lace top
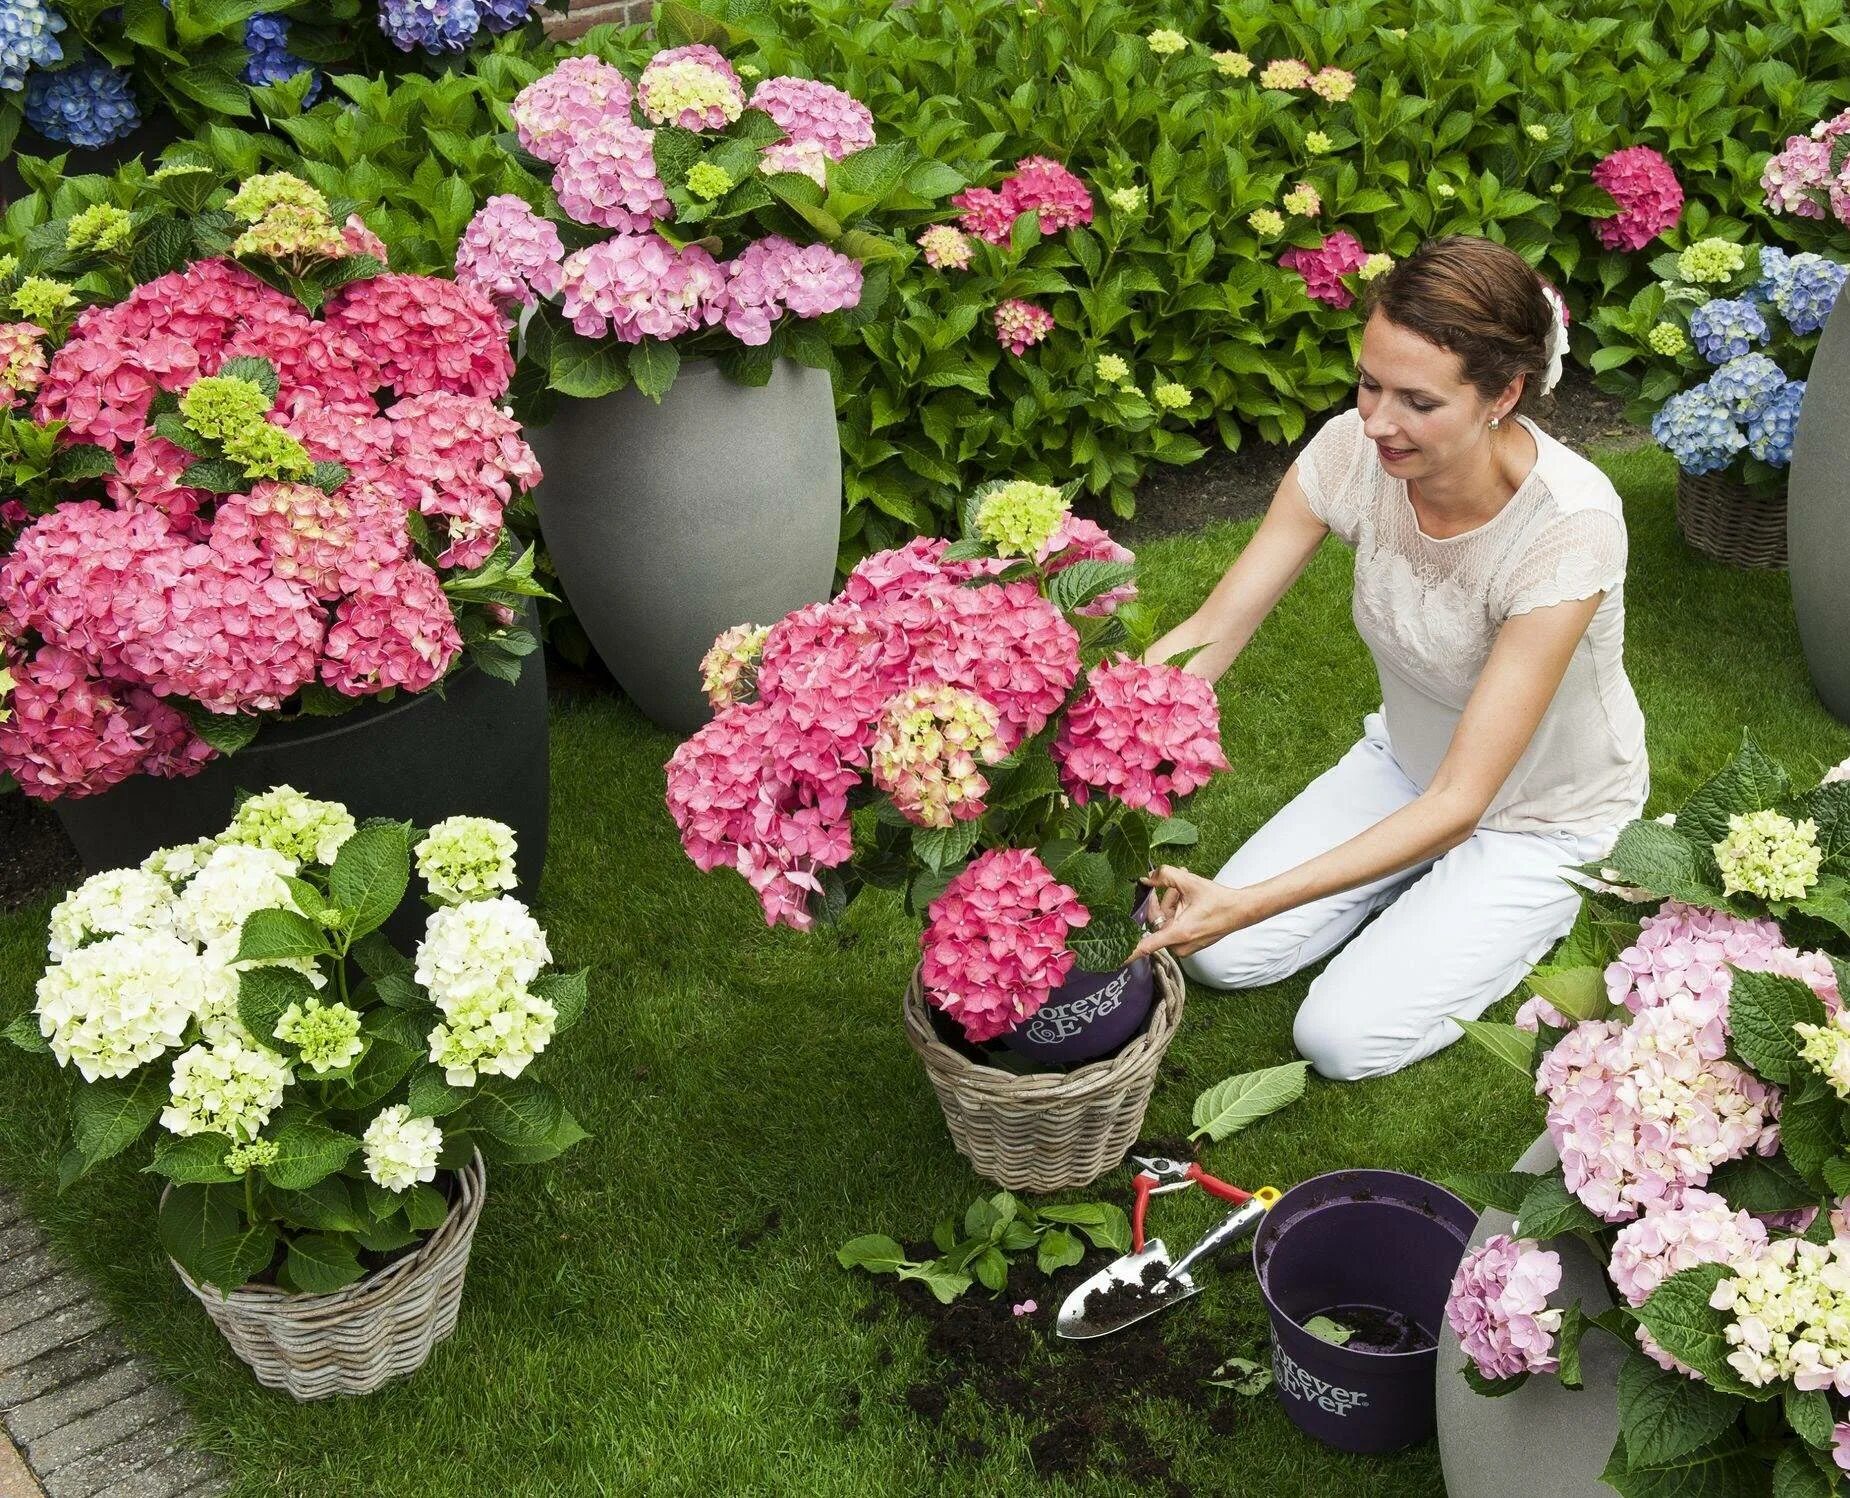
1430	609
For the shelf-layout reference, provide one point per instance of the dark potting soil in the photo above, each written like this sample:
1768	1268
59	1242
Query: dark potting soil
1085	1404
36	857
1377	1329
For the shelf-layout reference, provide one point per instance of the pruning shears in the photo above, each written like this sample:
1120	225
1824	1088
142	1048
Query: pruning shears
1159	1176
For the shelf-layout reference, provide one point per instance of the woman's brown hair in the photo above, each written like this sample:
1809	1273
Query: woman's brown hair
1474	298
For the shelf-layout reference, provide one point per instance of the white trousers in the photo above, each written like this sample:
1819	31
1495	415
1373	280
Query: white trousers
1453	935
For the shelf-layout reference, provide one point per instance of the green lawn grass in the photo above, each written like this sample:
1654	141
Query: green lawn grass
615	1339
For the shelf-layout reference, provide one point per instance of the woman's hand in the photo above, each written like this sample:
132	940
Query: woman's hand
1189	912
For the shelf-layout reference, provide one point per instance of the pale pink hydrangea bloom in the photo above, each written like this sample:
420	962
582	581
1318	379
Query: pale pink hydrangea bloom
1020	325
1333	84
397	631
807	158
946	247
816	113
1840	1445
1323	268
995	941
1698	1228
1144	734
361	240
693	87
579	93
22	362
332	544
1498	1306
1793	174
606	176
427	334
771	276
1649	196
462	460
1536	1011
636	286
510	254
1078	540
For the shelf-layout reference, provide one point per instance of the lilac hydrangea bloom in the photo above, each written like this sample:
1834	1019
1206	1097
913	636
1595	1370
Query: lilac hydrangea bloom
1725	328
434	25
266	37
88	104
28	39
1773	263
504	15
1498	1306
1697	430
1807	290
1770	430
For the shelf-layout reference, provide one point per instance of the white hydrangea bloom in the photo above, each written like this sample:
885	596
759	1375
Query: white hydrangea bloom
228	1088
481	950
1827	1047
467	858
285	821
495	1035
401	1150
178	864
108	904
1769	855
218	1012
234	881
118	1003
1789	1315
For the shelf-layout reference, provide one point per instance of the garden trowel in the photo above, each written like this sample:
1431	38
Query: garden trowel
1141	1284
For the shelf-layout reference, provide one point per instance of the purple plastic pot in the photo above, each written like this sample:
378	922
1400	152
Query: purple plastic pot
1376	1250
1088	1016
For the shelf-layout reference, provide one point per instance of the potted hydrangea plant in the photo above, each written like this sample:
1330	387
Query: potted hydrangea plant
1691	1048
265	479
321	1105
701	246
966	725
1714	356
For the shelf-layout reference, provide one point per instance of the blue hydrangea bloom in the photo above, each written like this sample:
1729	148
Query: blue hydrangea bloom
505	15
1725	328
1770	429
1696	429
1745	384
28	39
270	60
1807	289
434	25
1773	263
87	104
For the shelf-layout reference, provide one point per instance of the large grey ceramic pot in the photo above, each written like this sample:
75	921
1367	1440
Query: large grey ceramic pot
1543	1441
1818	515
669	523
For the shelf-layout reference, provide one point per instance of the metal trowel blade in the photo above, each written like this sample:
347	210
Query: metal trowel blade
1075	1324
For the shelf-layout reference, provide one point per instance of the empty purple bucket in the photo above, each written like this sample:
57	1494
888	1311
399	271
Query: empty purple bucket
1088	1016
1374	1250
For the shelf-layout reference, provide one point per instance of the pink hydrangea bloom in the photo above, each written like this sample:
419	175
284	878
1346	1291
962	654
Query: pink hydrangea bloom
332	544
1793	175
70	733
1002	641
636	286
361	240
693	87
760	790
361	441
463	460
987	214
1637	1113
905	571
204	305
1498	1306
816	113
1333	84
1840	1445
397	631
995	941
22	361
606	176
1045	188
1681	960
772	275
427	334
510	254
1535	1011
101	383
1324	267
831	666
1698	1228
1649	196
1142	733
1078	540
1020	325
578	94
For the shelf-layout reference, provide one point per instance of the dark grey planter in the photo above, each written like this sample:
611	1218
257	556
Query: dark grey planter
479	749
1543	1441
1818	516
670	523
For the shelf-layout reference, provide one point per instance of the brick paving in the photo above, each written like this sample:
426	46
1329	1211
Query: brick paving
81	1416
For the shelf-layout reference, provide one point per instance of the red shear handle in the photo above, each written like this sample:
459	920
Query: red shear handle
1143	1183
1214	1186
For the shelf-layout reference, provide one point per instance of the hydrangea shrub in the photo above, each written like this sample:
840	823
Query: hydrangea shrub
1691	1050
307	1087
982	702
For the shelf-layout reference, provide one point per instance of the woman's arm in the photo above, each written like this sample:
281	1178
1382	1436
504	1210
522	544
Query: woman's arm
1519	680
1279	550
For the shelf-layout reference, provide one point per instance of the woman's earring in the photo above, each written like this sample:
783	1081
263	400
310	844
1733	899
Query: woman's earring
1495	422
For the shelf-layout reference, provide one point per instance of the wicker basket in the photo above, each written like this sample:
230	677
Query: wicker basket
376	1329
1049	1131
1725	520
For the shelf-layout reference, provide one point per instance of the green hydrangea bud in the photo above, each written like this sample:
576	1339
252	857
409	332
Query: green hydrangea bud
1171	396
40	299
705	180
253	1156
1711	261
268	190
1667	339
1019	518
327	1035
99	227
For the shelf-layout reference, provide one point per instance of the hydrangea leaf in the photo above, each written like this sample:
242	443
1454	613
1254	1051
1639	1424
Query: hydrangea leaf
197	1158
1679	1316
370	874
1502	1189
567	993
1663	1415
280	936
1105	944
1664	861
1750	781
110	1114
307	1153
1760	1183
1075	586
565	1133
515	1111
1762	1009
327	1206
231	1261
1550	1209
1808	1412
321	1263
1231	1105
1509	1045
23	1031
1797	1475
1105	1223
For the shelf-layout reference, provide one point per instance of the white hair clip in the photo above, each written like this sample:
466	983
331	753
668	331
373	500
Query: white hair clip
1557	337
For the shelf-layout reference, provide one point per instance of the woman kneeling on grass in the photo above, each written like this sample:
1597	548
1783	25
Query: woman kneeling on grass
1489	580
